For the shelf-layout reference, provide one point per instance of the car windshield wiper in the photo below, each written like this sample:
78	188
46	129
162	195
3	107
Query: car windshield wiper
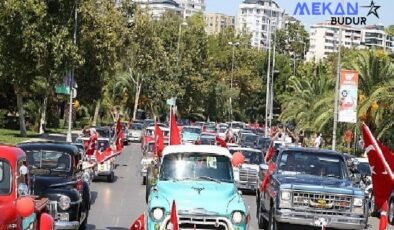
209	178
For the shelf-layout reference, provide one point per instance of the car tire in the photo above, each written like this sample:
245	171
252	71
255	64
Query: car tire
272	223
111	177
262	223
390	213
144	180
85	221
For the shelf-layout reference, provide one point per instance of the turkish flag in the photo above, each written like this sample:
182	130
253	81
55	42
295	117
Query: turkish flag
383	223
159	137
270	152
271	169
175	139
139	224
382	175
118	126
174	217
119	141
221	142
103	156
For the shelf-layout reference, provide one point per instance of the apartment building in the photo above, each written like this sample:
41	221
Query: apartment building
216	22
190	7
158	7
260	18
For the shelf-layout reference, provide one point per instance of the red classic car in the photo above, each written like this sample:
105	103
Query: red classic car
18	209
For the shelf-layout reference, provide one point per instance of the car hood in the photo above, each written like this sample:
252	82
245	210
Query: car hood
186	136
135	132
317	184
203	197
43	185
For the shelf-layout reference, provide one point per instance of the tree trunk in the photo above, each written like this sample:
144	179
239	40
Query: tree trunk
96	112
43	115
21	112
137	97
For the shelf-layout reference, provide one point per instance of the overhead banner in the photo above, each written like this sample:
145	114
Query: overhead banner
348	87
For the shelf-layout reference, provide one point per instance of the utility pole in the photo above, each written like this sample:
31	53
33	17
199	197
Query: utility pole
272	85
69	137
233	44
334	130
267	94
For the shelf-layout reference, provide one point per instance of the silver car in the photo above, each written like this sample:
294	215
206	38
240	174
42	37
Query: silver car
135	132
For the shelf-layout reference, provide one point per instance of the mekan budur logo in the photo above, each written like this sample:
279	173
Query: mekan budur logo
342	13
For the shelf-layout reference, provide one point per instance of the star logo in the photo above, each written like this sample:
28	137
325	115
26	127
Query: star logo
372	9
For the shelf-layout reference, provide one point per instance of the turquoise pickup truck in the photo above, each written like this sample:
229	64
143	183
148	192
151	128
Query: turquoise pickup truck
200	180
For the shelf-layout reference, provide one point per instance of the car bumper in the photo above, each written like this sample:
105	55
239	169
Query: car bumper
134	138
66	224
312	219
246	185
104	173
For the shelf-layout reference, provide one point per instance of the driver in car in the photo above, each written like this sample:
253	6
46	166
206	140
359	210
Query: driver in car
291	163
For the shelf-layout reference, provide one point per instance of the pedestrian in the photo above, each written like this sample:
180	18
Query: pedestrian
318	141
301	138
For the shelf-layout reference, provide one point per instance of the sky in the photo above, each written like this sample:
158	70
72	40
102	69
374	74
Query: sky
386	11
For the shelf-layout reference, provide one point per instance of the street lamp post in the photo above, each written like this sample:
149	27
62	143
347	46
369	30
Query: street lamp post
272	84
267	100
69	137
179	41
334	130
233	44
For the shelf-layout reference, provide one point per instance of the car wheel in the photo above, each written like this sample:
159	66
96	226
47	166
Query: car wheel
85	221
272	223
144	180
391	212
262	223
111	177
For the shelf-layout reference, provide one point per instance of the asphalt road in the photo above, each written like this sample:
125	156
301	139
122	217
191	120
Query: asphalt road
116	205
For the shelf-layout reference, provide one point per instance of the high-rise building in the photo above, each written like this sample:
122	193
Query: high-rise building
190	7
324	39
158	7
255	17
216	22
374	36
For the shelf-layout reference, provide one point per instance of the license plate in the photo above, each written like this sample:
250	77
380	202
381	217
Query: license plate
321	221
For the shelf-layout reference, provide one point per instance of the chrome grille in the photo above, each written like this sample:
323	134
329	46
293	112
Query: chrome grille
322	201
249	175
52	208
201	222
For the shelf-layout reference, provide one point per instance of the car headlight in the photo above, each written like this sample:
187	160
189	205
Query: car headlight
157	214
64	202
86	177
358	202
285	196
237	217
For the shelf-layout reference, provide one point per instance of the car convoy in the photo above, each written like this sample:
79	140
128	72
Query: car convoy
307	186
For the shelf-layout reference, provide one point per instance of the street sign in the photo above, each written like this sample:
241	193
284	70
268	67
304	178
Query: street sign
62	89
171	101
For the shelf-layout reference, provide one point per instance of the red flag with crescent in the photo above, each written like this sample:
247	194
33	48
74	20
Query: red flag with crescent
139	224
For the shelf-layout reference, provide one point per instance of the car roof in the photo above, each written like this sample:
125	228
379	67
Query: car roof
50	145
312	150
162	128
11	153
362	159
192	126
172	149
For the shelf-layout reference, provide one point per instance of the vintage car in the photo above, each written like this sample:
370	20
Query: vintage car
190	134
106	168
206	139
149	135
246	175
135	132
200	180
248	140
311	187
55	171
147	158
15	198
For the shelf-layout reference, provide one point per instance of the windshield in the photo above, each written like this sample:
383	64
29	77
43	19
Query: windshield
250	138
251	157
5	178
210	128
48	161
194	166
104	133
237	125
364	169
207	140
102	145
136	126
191	130
324	165
222	129
264	142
